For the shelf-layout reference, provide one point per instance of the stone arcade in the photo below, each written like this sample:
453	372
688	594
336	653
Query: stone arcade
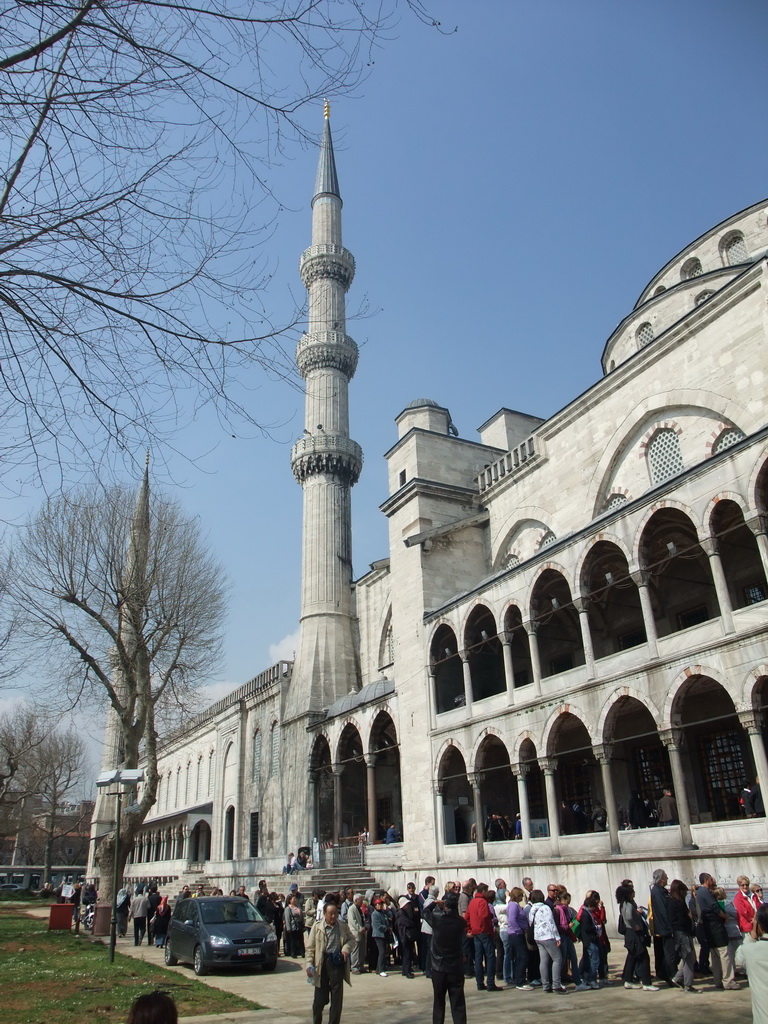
572	609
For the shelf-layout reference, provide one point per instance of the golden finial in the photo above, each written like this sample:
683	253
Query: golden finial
327	109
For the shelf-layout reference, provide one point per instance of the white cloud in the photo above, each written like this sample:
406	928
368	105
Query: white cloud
285	649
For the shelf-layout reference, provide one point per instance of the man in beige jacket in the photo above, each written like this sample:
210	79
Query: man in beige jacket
329	946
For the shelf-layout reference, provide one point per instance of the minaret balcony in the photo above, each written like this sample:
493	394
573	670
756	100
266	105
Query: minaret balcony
335	454
322	350
327	262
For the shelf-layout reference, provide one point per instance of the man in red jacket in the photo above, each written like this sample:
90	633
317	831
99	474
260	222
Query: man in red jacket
480	920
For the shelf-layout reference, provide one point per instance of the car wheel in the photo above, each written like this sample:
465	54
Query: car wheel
200	965
170	959
269	967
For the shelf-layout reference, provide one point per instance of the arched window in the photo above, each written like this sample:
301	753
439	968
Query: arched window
511	560
660	289
178	784
257	755
703	296
644	334
187	774
728	437
735	249
199	780
547	539
665	459
690	269
274	752
614	500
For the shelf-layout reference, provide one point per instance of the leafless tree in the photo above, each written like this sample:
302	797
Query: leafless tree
128	604
135	190
22	734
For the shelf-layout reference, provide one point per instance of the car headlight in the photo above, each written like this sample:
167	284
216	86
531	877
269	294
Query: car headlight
219	940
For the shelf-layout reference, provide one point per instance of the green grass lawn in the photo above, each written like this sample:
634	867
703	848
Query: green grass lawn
58	978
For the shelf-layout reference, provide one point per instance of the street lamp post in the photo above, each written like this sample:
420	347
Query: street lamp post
118	777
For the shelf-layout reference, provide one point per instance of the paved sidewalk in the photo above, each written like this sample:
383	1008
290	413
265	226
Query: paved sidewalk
396	1000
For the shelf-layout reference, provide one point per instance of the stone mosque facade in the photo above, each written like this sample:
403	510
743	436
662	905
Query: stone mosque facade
573	610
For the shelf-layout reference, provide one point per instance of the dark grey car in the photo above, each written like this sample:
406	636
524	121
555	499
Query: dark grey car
220	931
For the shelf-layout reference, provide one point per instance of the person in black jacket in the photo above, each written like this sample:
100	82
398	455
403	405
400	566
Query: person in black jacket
682	934
447	958
664	944
712	918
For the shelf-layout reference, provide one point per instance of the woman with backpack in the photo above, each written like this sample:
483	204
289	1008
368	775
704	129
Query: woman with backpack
547	939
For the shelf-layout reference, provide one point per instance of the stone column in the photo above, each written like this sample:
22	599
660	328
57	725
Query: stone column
642	580
759	526
603	755
467	680
673	741
370	778
509	672
337	770
549	766
474	779
709	544
533	645
439	813
432	698
580	604
312	797
520	771
752	722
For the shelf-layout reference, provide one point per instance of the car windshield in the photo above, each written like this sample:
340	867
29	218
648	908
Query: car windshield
236	912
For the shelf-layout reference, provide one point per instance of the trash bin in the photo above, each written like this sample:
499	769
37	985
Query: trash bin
60	918
102	919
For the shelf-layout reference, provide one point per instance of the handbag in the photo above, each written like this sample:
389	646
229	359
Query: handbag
575	928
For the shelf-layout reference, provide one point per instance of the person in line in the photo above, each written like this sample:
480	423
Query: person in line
123	905
480	921
446	958
379	933
515	948
357	925
547	939
712	919
162	920
138	913
682	934
328	950
633	927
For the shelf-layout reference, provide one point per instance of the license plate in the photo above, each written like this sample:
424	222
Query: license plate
249	952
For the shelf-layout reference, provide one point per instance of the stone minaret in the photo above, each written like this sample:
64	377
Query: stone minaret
326	462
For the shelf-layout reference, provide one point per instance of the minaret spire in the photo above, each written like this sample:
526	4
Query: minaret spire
326	462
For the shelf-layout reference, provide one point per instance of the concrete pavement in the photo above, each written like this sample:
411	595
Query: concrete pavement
396	1000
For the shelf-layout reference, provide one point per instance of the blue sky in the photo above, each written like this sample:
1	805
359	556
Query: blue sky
508	191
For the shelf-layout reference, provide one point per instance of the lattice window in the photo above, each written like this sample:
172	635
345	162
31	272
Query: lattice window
547	539
702	297
274	756
728	437
511	560
614	501
722	759
650	771
665	459
691	269
644	334
735	250
257	755
389	646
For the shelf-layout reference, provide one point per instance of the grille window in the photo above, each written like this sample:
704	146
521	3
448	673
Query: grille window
736	250
722	759
274	760
691	269
256	757
702	297
665	459
644	334
614	501
728	437
547	539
